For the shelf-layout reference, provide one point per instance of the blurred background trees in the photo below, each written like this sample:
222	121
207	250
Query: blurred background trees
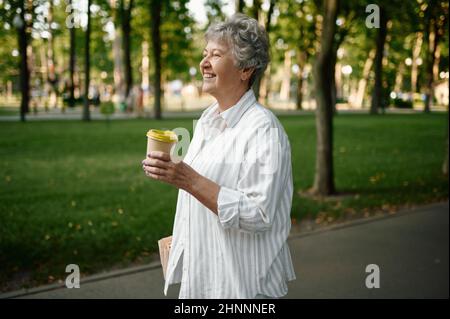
153	49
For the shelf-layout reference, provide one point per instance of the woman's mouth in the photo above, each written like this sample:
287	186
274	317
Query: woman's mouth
208	76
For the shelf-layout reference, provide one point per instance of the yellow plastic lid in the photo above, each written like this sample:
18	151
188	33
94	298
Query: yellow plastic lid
163	136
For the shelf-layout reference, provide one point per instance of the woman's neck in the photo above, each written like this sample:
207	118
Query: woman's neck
230	98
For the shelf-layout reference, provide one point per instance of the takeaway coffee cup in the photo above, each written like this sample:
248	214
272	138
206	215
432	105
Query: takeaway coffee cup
159	140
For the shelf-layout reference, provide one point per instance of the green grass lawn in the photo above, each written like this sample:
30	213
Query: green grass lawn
4	110
74	192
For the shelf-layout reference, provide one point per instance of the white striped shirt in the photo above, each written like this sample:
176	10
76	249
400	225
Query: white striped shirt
242	252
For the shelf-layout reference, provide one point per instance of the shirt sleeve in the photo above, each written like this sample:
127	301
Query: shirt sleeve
252	205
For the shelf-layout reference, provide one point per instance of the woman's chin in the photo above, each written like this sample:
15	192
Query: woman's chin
207	89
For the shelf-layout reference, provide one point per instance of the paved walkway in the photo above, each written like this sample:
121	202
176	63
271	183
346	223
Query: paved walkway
411	249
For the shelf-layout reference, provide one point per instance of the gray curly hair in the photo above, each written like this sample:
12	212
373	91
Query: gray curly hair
248	41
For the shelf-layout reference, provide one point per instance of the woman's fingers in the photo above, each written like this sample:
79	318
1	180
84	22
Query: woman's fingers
154	176
155	162
154	170
159	155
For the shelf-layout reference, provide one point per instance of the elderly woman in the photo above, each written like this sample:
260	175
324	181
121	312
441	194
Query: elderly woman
235	183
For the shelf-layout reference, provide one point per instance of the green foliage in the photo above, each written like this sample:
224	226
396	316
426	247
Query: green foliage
295	26
214	11
177	31
299	36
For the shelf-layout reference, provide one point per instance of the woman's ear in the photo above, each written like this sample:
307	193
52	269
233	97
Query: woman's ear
247	73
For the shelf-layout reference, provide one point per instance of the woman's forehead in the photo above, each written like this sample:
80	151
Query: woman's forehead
216	44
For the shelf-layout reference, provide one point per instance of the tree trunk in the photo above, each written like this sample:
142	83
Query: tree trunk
43	64
334	92
286	81
119	79
299	90
432	45
51	76
259	80
126	31
256	8
43	74
445	163
414	66
399	78
437	60
436	24
24	69
339	84
336	78
257	84
87	65
362	83
323	73
377	96
268	85
240	4
302	57
155	13
72	61
145	75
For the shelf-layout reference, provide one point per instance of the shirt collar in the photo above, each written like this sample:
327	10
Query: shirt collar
232	115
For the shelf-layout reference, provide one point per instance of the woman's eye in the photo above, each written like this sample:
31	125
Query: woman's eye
214	55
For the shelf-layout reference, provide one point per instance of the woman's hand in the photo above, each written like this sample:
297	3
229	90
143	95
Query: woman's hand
159	166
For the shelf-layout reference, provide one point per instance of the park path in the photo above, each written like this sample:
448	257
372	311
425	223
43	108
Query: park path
410	248
96	115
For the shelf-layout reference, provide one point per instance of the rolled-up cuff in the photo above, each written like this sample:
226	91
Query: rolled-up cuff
228	207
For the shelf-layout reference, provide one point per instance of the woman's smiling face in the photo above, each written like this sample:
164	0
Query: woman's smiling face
220	75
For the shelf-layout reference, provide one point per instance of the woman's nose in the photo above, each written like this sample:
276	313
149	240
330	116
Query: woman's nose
204	62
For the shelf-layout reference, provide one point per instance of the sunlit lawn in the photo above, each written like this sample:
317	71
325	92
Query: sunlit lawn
5	110
74	192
